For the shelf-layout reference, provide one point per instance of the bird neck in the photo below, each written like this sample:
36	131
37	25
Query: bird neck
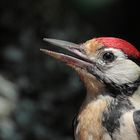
122	90
135	98
94	87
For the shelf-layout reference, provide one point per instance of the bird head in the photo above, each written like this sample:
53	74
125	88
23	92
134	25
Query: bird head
103	63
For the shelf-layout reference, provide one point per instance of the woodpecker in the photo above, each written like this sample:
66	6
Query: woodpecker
110	70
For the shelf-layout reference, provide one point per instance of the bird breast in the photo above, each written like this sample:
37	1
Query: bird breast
90	120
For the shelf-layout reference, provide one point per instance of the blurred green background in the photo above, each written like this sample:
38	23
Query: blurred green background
40	96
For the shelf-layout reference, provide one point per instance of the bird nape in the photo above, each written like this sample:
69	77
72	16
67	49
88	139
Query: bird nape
110	70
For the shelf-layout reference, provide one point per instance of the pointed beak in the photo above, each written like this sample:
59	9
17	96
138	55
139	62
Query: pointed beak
81	61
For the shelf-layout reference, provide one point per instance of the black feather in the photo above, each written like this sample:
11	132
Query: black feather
134	59
136	118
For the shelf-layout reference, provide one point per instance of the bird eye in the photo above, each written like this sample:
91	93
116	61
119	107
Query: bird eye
108	57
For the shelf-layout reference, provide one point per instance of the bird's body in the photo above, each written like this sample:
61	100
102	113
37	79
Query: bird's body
107	118
110	70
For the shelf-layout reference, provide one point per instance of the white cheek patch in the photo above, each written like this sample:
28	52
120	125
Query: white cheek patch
122	71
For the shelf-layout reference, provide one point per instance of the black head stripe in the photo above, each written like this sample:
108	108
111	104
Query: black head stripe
134	59
125	89
136	118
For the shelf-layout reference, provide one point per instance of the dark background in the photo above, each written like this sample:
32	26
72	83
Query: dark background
40	96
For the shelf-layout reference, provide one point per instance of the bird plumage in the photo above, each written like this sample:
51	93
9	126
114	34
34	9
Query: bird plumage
110	70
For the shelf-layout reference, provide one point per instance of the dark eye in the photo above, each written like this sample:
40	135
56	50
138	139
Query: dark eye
108	57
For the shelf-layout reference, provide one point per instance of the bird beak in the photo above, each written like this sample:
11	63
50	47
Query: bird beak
81	61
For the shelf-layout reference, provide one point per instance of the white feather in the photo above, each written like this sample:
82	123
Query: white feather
123	71
127	129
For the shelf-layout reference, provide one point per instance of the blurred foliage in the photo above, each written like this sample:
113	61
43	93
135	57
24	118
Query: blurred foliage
39	96
94	5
